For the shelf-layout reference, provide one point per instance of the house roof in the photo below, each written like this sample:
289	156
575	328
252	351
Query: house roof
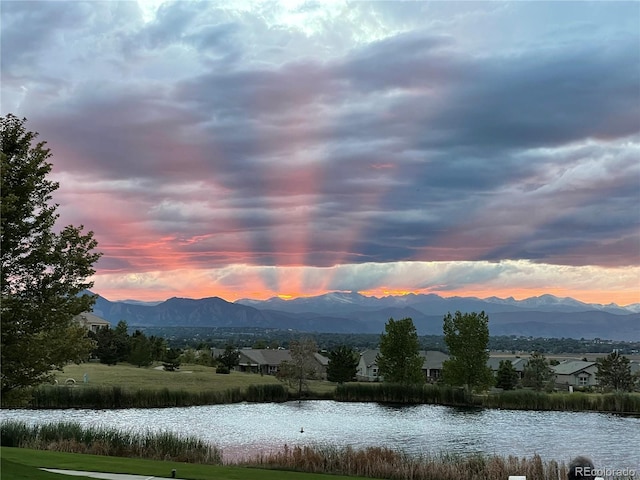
89	318
571	367
369	357
321	359
269	356
517	362
431	358
266	356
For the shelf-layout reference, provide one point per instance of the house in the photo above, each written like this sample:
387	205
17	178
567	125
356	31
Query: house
575	373
432	366
518	364
367	370
267	361
91	321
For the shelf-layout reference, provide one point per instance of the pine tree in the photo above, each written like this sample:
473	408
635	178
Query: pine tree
506	377
171	361
343	364
614	372
537	373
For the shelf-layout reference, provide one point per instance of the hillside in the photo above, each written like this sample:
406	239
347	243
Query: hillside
338	312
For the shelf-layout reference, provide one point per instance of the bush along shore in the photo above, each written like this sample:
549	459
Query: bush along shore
371	462
618	402
48	396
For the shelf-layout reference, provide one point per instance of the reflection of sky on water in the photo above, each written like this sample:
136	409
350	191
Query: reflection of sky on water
425	429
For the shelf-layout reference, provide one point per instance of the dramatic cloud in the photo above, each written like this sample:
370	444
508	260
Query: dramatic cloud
262	148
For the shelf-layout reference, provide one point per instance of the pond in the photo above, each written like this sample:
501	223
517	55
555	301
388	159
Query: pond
247	428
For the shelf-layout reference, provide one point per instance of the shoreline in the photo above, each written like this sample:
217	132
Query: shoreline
116	398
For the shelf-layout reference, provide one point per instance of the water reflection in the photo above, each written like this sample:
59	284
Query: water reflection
245	429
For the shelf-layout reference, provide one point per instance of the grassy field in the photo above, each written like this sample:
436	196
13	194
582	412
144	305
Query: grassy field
23	464
190	378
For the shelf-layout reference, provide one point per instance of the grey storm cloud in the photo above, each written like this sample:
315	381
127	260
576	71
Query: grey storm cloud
406	147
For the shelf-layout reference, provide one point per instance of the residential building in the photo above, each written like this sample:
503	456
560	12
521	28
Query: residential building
267	361
518	364
367	370
91	321
575	373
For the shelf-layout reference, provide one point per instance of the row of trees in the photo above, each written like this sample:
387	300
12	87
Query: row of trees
467	336
116	345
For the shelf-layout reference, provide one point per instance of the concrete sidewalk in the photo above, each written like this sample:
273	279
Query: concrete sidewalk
102	475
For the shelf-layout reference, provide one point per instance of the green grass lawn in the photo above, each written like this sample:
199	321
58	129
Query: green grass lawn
191	378
23	464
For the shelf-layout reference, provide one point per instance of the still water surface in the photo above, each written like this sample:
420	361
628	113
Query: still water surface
247	428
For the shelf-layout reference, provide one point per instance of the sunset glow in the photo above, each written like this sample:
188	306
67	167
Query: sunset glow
293	148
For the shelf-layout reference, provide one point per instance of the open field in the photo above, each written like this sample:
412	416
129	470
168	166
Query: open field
190	378
24	464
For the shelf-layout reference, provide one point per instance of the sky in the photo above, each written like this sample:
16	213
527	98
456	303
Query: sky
249	149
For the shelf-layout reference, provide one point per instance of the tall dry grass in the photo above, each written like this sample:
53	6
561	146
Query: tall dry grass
73	438
376	462
395	393
618	402
117	397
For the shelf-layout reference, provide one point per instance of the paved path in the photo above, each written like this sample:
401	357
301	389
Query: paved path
104	476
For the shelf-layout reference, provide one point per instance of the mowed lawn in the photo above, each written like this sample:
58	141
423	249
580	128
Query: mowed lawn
191	378
25	464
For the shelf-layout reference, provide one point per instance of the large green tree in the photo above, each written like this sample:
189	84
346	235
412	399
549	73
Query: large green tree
399	360
614	372
467	338
229	358
343	364
44	270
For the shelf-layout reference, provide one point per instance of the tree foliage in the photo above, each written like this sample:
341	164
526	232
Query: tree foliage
399	360
113	345
537	373
44	271
171	361
506	376
343	364
614	372
303	365
229	358
467	338
140	350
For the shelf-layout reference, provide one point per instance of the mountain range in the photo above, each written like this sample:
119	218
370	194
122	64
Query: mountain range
344	312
